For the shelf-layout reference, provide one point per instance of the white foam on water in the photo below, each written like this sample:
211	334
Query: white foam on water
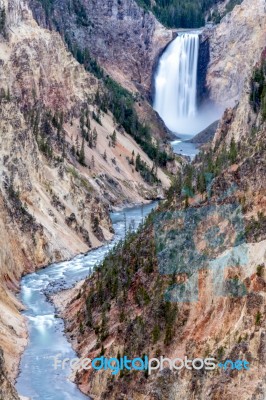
176	88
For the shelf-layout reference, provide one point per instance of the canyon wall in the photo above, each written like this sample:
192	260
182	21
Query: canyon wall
230	326
53	204
122	36
203	62
235	47
125	39
227	318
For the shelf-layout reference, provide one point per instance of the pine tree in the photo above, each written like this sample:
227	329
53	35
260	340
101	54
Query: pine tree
82	153
8	96
60	125
138	162
64	146
233	151
3	21
201	184
113	139
90	140
132	162
36	124
77	145
73	150
88	123
81	121
94	137
97	98
84	132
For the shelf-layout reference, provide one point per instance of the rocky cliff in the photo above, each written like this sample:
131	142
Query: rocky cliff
125	39
63	162
235	47
122	36
227	318
6	390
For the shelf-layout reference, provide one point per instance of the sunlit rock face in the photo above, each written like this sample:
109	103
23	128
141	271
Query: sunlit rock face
50	208
235	47
123	37
6	390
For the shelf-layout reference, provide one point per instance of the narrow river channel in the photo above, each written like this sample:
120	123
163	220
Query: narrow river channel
38	379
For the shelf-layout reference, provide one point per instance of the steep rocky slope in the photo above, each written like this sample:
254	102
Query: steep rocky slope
126	40
227	319
123	37
6	390
62	166
235	47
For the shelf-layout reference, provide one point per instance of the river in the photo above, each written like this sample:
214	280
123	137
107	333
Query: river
175	101
38	379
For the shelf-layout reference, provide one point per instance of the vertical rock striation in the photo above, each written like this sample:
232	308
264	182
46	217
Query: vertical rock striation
123	37
203	62
235	47
51	205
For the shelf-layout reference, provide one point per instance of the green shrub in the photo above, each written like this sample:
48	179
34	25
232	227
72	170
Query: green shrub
258	318
156	334
260	269
220	353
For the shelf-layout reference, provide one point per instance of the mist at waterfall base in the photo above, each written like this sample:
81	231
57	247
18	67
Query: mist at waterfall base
176	89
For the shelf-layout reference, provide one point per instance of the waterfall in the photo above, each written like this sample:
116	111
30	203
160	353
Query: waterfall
176	83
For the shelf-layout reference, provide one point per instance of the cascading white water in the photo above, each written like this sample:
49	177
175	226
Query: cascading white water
176	83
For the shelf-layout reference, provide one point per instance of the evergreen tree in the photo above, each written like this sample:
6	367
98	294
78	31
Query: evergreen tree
81	121
92	161
201	184
77	145
138	162
8	95
3	21
60	125
82	153
94	137
90	140
88	123
64	146
113	138
233	151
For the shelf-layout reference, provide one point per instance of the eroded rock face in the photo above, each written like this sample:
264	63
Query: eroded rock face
203	62
123	37
49	205
6	390
229	326
235	47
